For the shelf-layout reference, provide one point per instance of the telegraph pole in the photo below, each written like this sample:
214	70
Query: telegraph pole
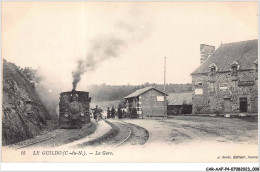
164	74
165	113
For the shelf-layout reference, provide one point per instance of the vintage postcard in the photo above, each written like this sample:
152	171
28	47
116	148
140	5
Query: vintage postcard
129	82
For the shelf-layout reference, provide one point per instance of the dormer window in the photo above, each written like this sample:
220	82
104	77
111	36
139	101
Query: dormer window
234	68
213	69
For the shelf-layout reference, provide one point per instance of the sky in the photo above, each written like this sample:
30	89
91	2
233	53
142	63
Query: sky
122	42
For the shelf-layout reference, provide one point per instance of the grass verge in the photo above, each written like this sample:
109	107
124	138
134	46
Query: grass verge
85	131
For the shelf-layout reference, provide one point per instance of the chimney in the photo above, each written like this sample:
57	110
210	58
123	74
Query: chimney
205	52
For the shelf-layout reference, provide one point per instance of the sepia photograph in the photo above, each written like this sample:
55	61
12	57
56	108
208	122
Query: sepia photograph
129	82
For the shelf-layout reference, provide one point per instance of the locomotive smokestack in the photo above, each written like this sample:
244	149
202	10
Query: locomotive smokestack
74	95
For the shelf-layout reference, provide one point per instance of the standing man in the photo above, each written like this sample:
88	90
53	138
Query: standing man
100	112
123	113
108	112
119	112
113	112
96	113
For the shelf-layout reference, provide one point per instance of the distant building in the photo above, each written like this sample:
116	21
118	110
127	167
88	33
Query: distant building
179	103
147	102
227	80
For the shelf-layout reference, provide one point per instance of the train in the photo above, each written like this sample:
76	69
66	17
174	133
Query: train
74	109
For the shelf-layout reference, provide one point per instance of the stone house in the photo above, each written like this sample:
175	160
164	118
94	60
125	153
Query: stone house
227	79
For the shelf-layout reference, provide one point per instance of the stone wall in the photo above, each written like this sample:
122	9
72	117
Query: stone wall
226	87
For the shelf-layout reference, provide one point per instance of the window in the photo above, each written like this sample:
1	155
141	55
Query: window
198	91
212	87
223	87
234	68
198	87
213	69
234	88
160	98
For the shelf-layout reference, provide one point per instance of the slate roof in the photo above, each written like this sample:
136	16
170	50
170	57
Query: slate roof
179	98
245	53
142	91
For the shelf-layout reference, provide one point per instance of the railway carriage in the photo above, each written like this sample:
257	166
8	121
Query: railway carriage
74	109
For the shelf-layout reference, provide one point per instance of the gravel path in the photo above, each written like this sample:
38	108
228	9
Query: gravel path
102	128
121	134
118	133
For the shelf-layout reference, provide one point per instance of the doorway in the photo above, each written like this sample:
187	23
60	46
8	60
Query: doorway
227	105
243	104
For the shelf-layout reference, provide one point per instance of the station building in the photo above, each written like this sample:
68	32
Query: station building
148	102
227	79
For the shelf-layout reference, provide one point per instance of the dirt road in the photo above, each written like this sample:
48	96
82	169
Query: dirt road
183	129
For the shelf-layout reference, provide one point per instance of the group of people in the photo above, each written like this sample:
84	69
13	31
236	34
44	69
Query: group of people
113	112
98	113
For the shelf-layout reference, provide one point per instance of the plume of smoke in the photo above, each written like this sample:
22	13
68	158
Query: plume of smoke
77	73
104	47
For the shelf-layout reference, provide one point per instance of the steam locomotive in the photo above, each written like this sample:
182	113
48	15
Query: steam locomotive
74	109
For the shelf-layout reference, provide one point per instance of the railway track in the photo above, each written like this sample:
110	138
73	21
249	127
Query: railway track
127	134
120	134
137	135
38	139
123	141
